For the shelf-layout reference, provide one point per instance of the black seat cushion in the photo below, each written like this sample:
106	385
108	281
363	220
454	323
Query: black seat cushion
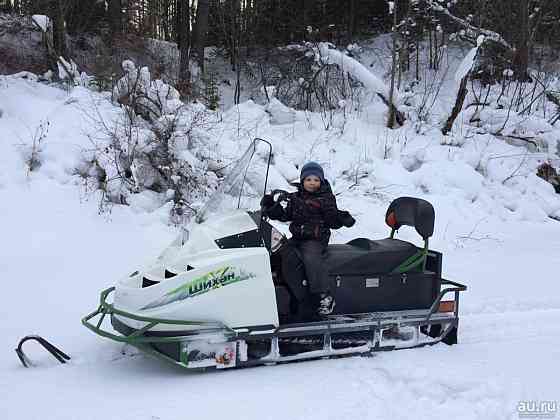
414	212
364	256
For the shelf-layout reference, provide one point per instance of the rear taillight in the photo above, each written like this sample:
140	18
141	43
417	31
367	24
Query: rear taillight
447	306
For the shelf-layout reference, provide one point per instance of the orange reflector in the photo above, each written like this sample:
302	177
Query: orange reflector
447	306
391	220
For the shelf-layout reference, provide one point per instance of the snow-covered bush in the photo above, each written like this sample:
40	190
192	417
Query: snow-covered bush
68	71
163	157
146	97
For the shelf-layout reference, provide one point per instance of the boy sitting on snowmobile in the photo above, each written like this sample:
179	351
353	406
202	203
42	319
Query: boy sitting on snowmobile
312	211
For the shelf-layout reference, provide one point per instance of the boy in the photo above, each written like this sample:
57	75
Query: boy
312	211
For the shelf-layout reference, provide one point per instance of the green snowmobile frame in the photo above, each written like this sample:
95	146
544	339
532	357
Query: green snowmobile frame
414	261
106	308
137	338
148	343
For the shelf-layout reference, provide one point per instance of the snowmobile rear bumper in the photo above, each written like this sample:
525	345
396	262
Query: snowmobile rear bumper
213	344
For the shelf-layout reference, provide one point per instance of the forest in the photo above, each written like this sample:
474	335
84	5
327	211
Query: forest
521	32
157	57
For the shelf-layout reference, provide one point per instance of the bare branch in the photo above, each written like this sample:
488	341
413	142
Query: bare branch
490	35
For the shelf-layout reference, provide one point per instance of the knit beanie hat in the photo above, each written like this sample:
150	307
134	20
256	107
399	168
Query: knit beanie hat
312	168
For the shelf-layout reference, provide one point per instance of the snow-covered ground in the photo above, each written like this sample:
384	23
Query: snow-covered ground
493	223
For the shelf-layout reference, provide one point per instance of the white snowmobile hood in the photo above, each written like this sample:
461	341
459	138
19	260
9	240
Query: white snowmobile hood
232	286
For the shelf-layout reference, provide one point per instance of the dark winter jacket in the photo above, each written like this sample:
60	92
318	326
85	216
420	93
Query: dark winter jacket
312	214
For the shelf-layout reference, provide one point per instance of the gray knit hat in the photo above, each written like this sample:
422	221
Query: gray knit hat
312	168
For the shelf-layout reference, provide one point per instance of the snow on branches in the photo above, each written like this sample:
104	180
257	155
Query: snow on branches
356	69
147	97
461	78
468	62
157	148
470	30
392	98
41	21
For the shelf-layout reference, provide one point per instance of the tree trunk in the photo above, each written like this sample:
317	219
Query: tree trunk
165	21
521	55
150	19
235	32
392	108
59	33
351	20
5	6
52	57
115	18
184	43
199	32
459	101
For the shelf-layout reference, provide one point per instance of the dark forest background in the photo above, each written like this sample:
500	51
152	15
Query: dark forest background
252	29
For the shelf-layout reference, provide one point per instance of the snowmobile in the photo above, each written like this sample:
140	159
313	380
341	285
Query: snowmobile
217	298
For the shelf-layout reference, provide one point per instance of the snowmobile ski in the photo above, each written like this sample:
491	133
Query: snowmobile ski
52	349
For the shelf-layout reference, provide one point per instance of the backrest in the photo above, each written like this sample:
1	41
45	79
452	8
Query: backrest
413	212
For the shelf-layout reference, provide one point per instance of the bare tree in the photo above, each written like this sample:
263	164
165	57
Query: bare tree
394	64
200	31
184	43
115	17
521	54
59	34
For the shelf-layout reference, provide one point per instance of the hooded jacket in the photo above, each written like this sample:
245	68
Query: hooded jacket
312	214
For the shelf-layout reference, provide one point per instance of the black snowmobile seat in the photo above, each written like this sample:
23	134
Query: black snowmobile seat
366	256
413	212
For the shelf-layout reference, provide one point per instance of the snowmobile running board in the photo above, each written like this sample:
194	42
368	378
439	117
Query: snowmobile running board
204	344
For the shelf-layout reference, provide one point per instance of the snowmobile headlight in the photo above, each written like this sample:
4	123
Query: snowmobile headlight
276	240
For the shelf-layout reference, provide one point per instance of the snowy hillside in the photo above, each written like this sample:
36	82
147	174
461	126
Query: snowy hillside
496	223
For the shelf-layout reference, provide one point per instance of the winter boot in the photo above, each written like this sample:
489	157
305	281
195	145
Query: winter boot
326	304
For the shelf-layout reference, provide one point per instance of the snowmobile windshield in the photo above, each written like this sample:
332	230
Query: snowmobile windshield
244	184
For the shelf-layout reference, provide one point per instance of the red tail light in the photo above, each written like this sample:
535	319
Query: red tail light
447	306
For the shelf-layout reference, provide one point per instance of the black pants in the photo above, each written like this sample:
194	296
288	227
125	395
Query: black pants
314	269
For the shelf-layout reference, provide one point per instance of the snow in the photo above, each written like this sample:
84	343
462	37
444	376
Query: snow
492	224
67	70
152	95
25	75
281	114
41	21
467	64
490	35
356	69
